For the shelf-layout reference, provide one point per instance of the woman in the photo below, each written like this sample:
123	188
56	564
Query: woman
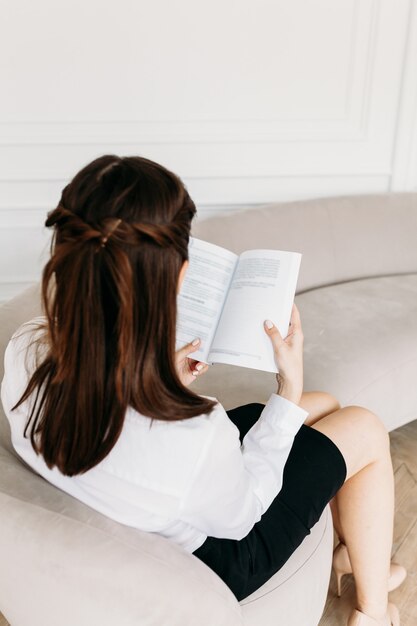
99	404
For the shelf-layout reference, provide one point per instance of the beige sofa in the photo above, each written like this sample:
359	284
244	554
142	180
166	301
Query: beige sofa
61	563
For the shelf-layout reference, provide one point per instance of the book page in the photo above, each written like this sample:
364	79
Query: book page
263	287
203	293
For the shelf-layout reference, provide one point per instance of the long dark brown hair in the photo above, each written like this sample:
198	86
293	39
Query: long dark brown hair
109	294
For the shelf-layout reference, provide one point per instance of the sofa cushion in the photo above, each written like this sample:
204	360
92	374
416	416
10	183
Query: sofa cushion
360	344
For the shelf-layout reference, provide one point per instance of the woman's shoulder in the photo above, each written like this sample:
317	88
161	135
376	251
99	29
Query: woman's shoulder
30	326
22	355
30	334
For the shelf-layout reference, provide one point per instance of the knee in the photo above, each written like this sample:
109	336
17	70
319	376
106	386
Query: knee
371	428
318	404
332	402
328	402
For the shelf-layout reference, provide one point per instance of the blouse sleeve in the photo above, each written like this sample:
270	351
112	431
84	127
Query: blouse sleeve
233	485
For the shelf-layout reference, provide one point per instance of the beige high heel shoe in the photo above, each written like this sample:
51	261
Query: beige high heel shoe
342	566
392	618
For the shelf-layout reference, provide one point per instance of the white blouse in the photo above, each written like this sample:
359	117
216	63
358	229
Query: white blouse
186	479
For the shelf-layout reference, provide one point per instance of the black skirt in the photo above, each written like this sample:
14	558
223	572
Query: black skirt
315	470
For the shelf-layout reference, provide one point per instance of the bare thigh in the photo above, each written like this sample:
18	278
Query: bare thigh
358	433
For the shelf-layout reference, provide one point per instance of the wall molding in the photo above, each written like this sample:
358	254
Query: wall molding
358	143
351	126
236	191
149	132
404	159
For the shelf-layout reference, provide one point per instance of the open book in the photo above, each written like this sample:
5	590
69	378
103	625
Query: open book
225	298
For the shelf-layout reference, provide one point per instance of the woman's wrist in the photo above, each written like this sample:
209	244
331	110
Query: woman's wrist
288	391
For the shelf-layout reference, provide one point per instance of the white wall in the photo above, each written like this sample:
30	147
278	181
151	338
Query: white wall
248	101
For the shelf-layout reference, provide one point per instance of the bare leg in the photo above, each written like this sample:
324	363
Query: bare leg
365	502
319	404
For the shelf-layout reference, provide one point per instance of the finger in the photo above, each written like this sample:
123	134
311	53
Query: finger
200	368
295	331
295	321
189	347
192	363
273	332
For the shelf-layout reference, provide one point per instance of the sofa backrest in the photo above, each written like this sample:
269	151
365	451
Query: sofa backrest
341	238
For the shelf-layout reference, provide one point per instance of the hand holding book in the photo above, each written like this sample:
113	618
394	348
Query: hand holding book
225	298
288	354
187	367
